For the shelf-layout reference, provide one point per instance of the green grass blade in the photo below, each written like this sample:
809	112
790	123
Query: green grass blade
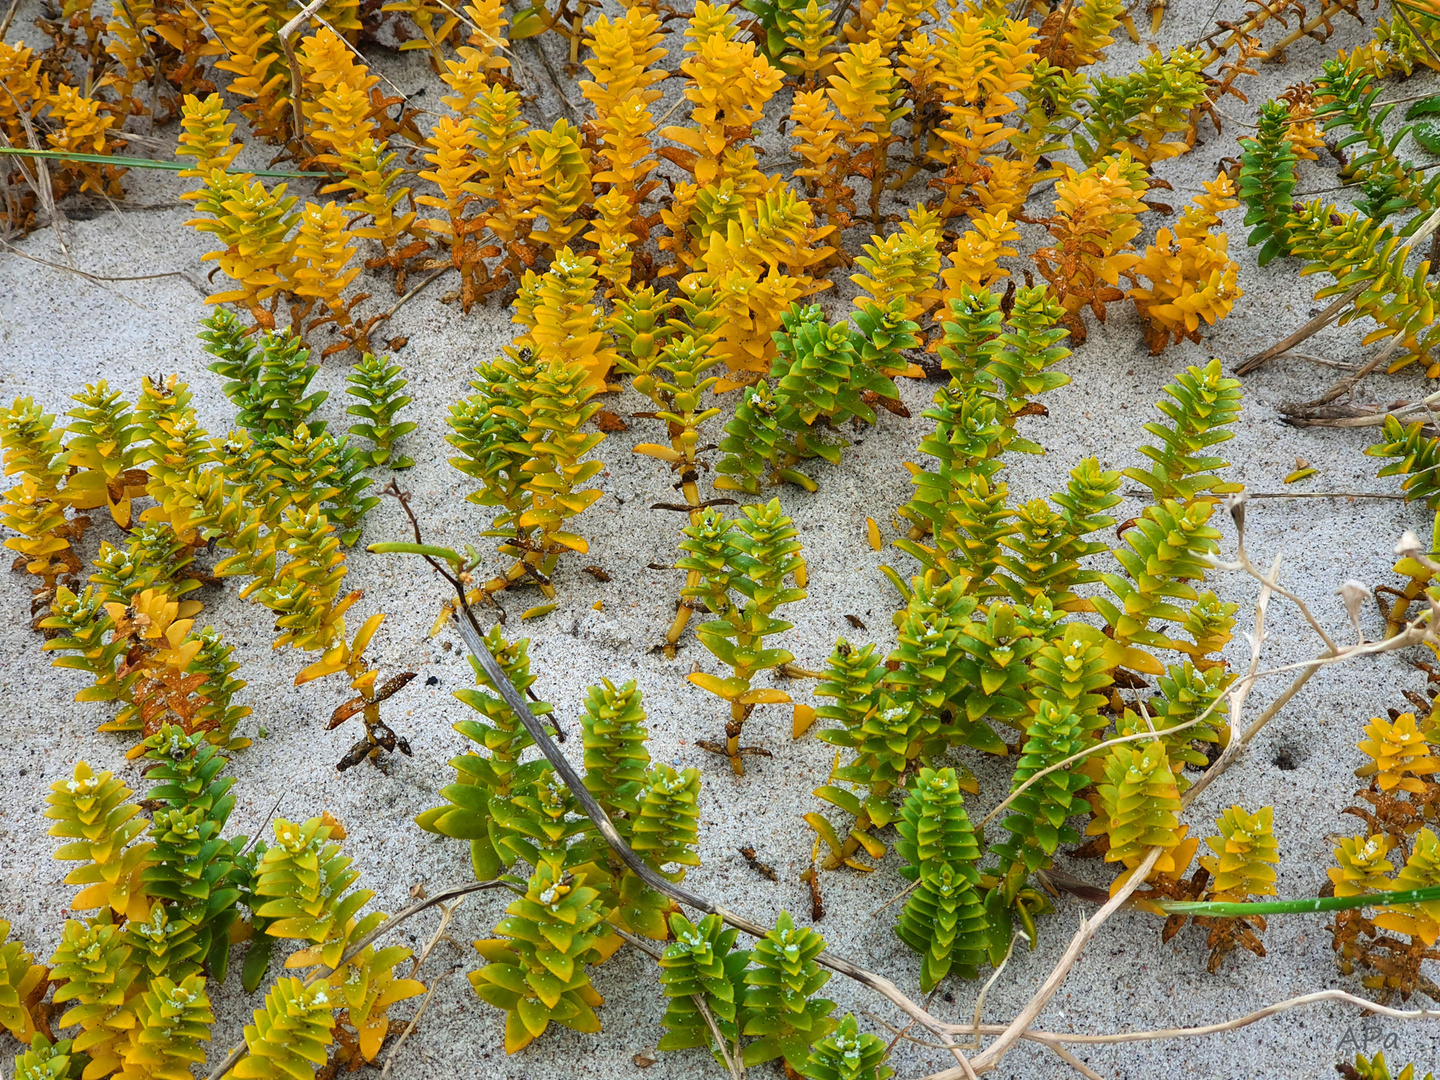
149	163
1300	907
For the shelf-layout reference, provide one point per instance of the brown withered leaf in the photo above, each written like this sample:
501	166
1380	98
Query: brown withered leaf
643	1060
398	343
344	712
1033	408
686	159
394	685
355	705
890	405
854	620
1128	680
610	423
597	573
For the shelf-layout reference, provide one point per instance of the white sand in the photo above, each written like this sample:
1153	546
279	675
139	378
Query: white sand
59	331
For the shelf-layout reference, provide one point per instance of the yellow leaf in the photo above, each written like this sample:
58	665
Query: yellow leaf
607	947
873	532
516	1037
372	1035
824	830
599	605
655	450
331	662
447	609
337	830
717	686
1300	474
365	633
538	610
571	541
873	847
764	696
803	721
1140	661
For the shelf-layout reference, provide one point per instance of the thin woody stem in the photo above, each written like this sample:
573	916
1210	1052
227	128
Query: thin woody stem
474	639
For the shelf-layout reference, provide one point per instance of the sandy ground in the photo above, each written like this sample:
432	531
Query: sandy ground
59	331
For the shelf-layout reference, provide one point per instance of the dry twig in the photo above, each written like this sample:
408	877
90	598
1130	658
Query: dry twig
474	639
1331	313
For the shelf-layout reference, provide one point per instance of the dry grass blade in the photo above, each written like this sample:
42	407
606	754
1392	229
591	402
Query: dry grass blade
1316	998
94	279
577	115
1309	330
1331	313
286	36
40	181
414	1022
515	62
1075	1063
1352	416
411	294
265	821
1347	385
155	77
9	18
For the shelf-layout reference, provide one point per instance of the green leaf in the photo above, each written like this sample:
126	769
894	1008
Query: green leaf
404	547
257	962
145	163
1429	106
1427	134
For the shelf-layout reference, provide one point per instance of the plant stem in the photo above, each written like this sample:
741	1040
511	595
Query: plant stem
146	163
1300	907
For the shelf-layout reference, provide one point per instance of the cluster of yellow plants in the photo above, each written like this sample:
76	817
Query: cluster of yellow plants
975	99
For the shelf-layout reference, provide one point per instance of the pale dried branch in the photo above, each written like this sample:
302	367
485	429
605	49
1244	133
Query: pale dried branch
414	1021
1315	998
990	1057
1309	330
974	1043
